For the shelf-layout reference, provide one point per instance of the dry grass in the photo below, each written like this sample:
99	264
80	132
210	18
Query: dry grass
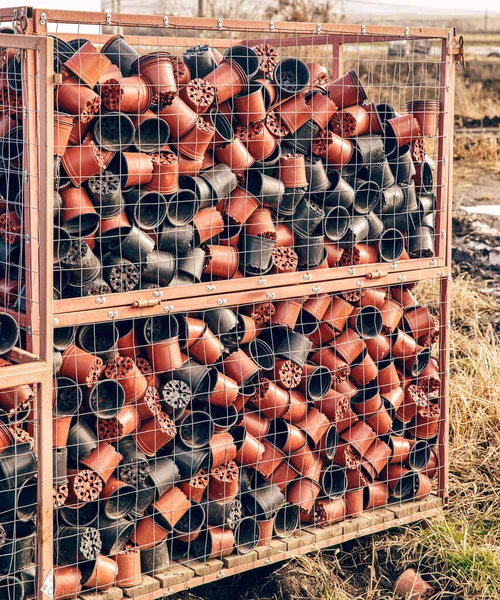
475	100
474	148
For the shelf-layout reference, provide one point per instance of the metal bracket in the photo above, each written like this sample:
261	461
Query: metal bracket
219	24
211	288
307	276
113	314
407	32
318	28
351	271
402	278
363	29
43	18
271	25
157	293
100	300
262	281
55	321
221	301
316	289
108	18
270	295
165	22
168	308
359	284
28	240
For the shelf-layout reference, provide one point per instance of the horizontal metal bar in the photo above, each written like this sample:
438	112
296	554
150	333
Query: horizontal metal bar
232	298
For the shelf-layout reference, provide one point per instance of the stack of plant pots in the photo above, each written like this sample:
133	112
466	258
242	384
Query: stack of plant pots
171	170
195	436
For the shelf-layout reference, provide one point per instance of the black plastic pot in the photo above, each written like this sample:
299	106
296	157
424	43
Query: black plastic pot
287	520
368	322
62	244
200	378
256	253
28	580
406	486
182	207
159	329
191	522
17	552
392	200
403	221
11	145
175	396
419	455
9	332
147	209
144	498
291	77
334	481
402	165
60	466
336	223
264	502
113	131
319	381
97	287
245	57
134	467
426	178
221	180
160	268
204	193
386	112
134	245
376	226
307	217
176	240
340	193
17	464
12	588
200	60
192	264
421	242
290	200
426	204
81	441
63	337
268	165
310	250
100	339
20	503
106	398
410	193
317	177
295	347
367	196
268	190
358	231
120	273
302	139
391	245
163	475
155	559
220	320
196	429
120	53
370	150
83	516
83	265
246	535
189	461
120	502
151	134
223	417
262	354
76	544
223	514
114	533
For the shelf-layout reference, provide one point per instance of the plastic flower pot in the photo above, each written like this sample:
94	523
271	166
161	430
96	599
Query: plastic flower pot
303	493
347	90
235	155
179	117
229	79
421	242
78	214
170	508
353	121
148	534
410	585
196	141
81	441
157	70
63	124
81	162
196	429
426	112
79	365
249	106
360	436
67	583
120	53
105	193
224	482
337	221
334	481
208	223
113	131
286	313
224	514
88	64
153	559
117	498
68	397
200	60
291	76
322	107
148	209
402	165
264	501
200	378
74	544
103	460
245	57
214	542
114	534
189	526
367	321
307	217
128	561
367	196
349	345
294	113
151	132
134	168
76	99
100	340
400	131
99	574
20	503
292	171
246	535
295	347
424	177
310	250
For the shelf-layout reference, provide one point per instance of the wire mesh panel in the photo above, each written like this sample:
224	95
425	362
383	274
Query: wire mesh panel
235	433
242	155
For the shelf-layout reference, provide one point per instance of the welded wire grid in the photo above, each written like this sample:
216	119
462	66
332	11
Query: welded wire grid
19	198
215	434
187	160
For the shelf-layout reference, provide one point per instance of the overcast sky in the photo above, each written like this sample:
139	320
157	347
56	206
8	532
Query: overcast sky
457	7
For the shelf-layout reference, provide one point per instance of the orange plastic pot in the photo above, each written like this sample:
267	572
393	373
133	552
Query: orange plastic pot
271	400
400	449
335	151
158	71
103	575
239	367
304	460
155	433
78	213
419	322
327	512
258	140
351	122
337	408
171	506
292	171
347	90
294	112
363	369
378	347
426	112
195	142
303	493
240	205
129	567
284	474
198	94
208	223
165	355
63	125
223	484
318	75
221	261
412	587
80	366
403	345
127	94
103	460
249	449
148	533
432	466
322	107
375	495
377	456
88	64
194	488
249	106
314	425
222	449
297	408
427	421
266	529
380	421
179	116
338	312
403	129
326	357
349	345
73	98
165	173
60	431
354	502
257	425
125	370
207	349
84	161
235	155
388	378
261	223
229	80
287	313
271	459
360	436
225	391
214	542
67	582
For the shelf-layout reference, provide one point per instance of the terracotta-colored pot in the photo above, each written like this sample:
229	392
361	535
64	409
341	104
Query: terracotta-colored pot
414	399
103	575
266	532
334	253
287	313
240	367
351	122
224	482
229	80
103	460
88	64
208	223
80	366
223	449
367	401
125	370
432	466
378	347
403	345
294	112
326	357
247	329
412	587
63	125
207	349
354	501
426	112
67	582
388	378
198	94
60	431
377	456
337	408
375	495
363	369
148	533
154	433
419	321
303	493
360	254
127	94
195	142
404	297
225	392
240	205
430	379
335	151
172	505
235	155
338	312
271	459
349	345
360	436
221	261
400	448
292	170
129	567
283	475
165	173
403	129
347	90
327	512
427	421
157	70
314	425
83	161
271	400
249	106
322	108
78	213
179	116
249	449
76	99
165	355
380	421
319	75
125	423
214	542
304	460
261	223
195	487
297	407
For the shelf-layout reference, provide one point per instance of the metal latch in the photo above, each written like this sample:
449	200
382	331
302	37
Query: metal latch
459	53
378	274
145	302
